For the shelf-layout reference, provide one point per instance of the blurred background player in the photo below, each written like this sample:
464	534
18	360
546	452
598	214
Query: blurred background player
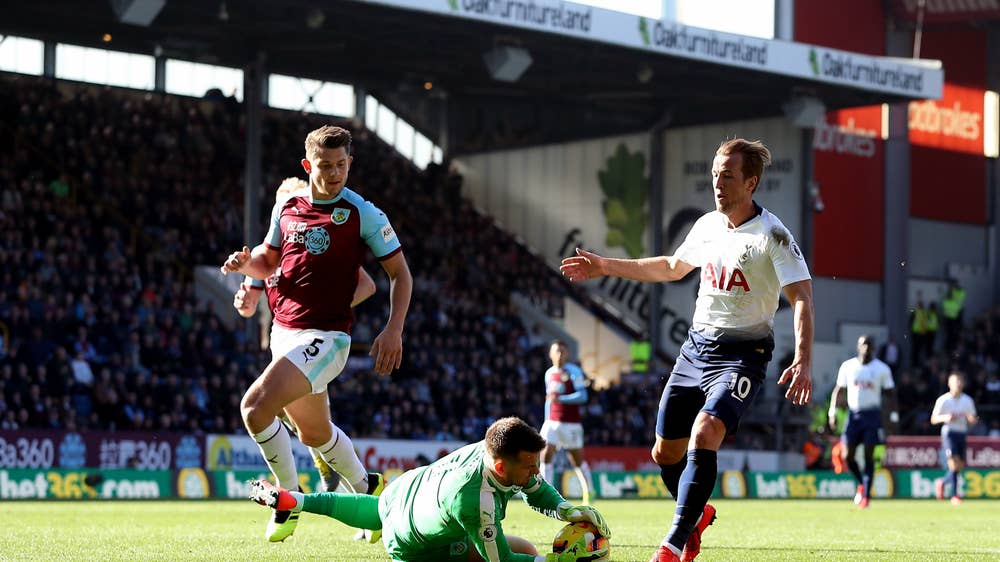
452	510
317	241
565	392
866	379
245	302
956	411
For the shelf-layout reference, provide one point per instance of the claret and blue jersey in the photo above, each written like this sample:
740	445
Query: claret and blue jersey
322	245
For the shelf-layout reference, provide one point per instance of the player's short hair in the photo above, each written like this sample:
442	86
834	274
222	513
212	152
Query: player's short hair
291	185
328	136
558	342
756	156
506	438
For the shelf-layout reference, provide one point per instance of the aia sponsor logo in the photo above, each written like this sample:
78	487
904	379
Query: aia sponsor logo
724	280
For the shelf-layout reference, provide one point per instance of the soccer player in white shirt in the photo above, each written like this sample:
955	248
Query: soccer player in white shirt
866	379
956	411
747	258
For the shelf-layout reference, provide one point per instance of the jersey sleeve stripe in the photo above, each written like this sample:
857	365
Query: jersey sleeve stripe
390	254
487	519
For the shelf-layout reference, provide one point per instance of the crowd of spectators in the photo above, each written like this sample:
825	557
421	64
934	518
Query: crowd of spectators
975	354
110	198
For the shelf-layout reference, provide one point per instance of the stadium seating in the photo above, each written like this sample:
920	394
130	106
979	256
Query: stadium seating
109	197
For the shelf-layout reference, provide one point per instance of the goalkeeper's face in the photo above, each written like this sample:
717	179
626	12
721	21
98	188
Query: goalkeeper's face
517	472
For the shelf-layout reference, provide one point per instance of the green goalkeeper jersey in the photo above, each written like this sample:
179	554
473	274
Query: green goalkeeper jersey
437	512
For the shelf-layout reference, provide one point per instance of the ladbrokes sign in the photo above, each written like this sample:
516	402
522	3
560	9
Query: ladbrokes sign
954	122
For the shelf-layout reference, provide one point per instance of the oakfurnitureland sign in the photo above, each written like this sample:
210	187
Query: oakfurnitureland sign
917	79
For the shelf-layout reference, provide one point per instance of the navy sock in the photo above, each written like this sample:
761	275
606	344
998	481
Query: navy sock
671	475
953	481
852	464
696	485
866	481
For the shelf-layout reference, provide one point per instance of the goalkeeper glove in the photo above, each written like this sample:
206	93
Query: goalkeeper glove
577	513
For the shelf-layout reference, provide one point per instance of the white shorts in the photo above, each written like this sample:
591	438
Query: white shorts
319	354
563	435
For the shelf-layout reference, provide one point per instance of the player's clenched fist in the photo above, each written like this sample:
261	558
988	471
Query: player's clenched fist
236	261
245	301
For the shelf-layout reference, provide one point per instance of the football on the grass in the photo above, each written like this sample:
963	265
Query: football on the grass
569	536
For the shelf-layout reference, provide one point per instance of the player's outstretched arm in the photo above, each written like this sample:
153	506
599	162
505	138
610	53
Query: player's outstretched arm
588	265
832	412
798	375
891	401
259	263
387	349
937	414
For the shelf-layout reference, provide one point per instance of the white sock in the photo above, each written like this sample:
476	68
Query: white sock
583	473
339	453
276	447
672	548
546	472
300	499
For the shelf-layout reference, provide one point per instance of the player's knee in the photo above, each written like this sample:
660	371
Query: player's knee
708	432
521	546
255	416
668	452
314	436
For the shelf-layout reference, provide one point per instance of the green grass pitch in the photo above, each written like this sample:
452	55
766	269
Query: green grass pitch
746	530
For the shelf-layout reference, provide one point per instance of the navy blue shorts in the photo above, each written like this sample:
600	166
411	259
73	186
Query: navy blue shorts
953	444
864	426
720	379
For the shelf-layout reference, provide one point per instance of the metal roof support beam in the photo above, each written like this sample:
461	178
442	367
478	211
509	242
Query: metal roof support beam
784	20
657	176
993	168
895	279
253	97
49	59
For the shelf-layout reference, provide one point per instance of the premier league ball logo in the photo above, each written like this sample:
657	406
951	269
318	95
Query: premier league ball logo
317	240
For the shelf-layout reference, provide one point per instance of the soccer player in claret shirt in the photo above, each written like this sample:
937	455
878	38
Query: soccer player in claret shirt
245	302
956	411
452	510
866	379
565	393
318	241
747	259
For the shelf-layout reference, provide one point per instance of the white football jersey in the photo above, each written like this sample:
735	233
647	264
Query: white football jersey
864	383
742	273
948	404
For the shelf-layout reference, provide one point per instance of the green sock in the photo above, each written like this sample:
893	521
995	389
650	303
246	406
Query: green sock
356	510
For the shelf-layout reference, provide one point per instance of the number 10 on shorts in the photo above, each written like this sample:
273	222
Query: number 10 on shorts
740	386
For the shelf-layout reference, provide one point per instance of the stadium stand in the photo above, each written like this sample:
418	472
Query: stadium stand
111	196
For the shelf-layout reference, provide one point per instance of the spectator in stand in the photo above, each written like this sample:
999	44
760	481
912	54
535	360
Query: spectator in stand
918	331
889	353
952	308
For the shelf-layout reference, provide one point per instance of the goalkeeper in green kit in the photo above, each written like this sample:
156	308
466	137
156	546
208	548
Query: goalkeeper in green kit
451	510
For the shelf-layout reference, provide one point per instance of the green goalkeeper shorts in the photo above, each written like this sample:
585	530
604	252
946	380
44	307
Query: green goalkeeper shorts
455	552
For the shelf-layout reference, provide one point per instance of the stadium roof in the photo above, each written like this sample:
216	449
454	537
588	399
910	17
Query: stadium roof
605	74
